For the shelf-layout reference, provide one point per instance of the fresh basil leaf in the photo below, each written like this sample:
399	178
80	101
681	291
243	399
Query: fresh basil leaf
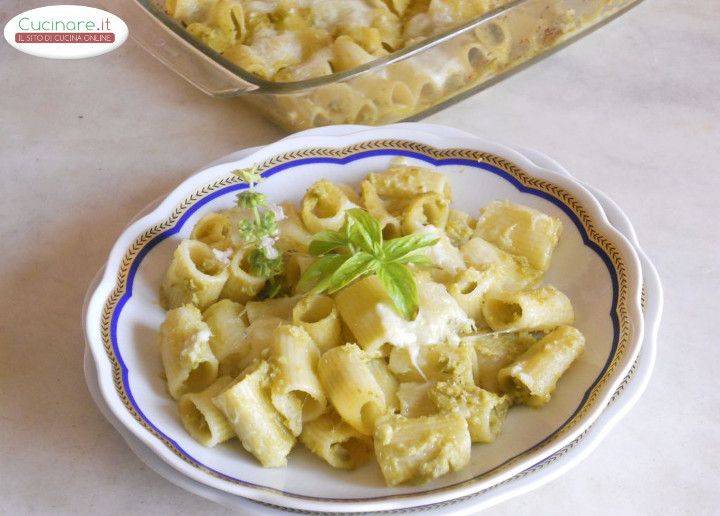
327	241
321	268
358	265
400	286
364	231
415	258
396	248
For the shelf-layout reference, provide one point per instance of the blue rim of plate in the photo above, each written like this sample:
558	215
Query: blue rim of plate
481	161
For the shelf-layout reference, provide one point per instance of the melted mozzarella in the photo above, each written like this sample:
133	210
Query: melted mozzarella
439	319
334	14
223	256
443	253
273	47
194	352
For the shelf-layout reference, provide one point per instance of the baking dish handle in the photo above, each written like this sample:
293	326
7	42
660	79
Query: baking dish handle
174	52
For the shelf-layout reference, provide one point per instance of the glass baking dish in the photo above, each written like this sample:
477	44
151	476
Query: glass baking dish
407	84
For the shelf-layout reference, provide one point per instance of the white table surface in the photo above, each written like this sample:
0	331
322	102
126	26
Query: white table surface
84	145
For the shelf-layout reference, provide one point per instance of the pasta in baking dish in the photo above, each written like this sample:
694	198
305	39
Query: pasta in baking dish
365	322
291	40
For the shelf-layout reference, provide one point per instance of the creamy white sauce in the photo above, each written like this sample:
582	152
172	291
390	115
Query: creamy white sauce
480	252
439	319
443	253
193	352
269	6
333	14
274	47
223	256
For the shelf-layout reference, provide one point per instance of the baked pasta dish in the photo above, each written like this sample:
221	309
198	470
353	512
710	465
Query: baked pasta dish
372	321
292	40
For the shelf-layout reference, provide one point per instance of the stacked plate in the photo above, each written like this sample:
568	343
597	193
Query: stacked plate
599	264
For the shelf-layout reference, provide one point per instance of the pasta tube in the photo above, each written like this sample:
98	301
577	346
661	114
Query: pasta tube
352	387
459	227
189	364
529	310
469	288
495	351
434	363
347	54
292	236
258	339
511	272
406	182
195	275
203	421
295	390
336	442
280	307
247	407
387	382
295	265
443	254
369	314
421	449
429	209
390	224
323	207
496	39
484	411
241	285
415	399
214	230
317	315
521	231
532	378
226	320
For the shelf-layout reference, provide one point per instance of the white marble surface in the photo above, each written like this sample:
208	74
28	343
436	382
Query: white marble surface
634	109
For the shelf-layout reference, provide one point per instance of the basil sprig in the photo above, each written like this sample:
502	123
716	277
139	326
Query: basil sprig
260	234
358	250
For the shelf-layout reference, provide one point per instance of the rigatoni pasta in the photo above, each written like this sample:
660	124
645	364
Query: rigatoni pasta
189	363
529	310
483	410
247	407
352	372
317	315
532	378
228	327
196	275
213	229
336	442
495	351
351	386
202	419
520	230
295	389
421	448
241	284
324	207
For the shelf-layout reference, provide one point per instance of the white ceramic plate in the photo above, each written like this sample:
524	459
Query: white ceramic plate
122	318
622	401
